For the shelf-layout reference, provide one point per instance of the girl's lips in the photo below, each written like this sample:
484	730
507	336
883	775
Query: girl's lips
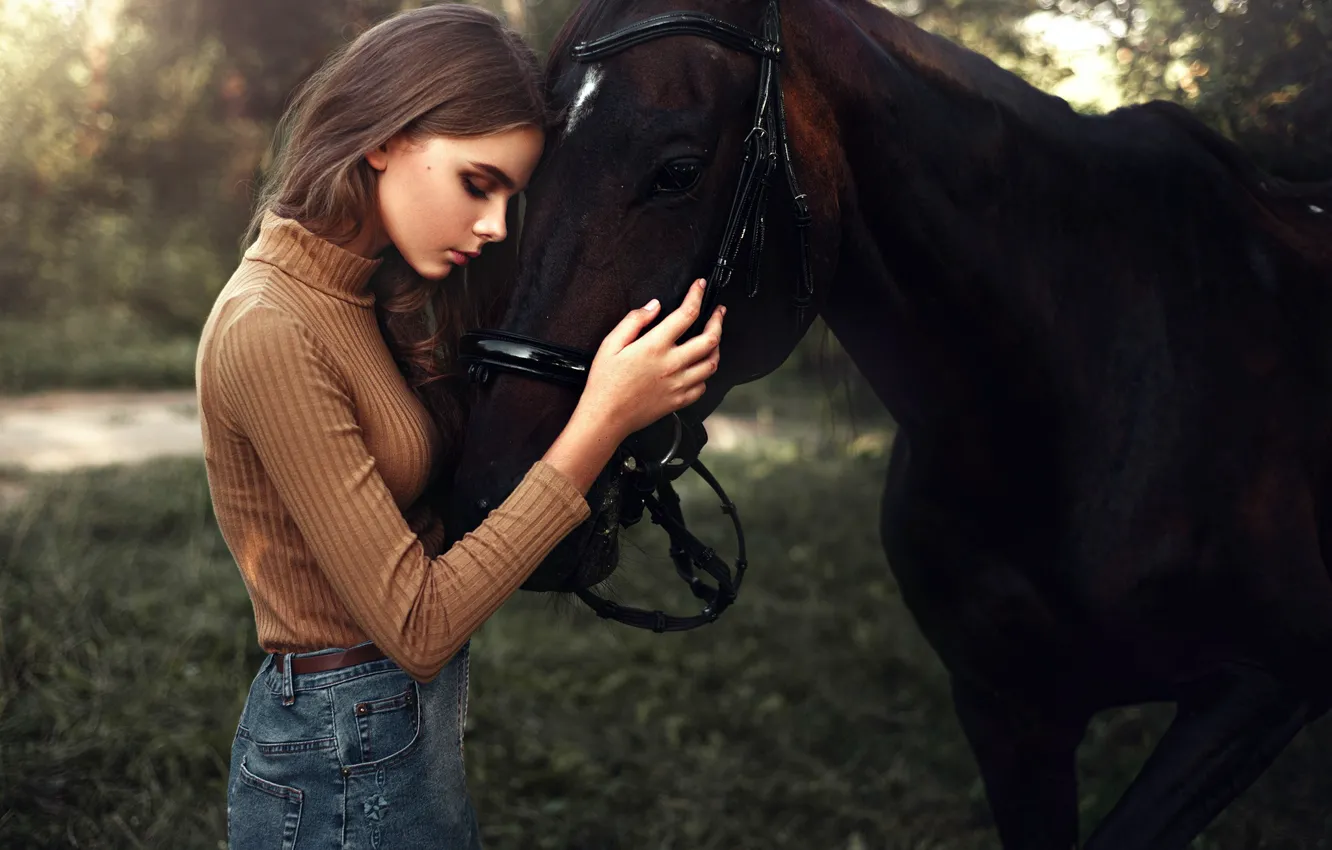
457	258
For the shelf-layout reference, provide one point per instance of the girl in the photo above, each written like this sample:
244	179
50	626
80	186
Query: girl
403	151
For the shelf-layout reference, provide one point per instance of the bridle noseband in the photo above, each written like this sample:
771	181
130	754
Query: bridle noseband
647	474
648	469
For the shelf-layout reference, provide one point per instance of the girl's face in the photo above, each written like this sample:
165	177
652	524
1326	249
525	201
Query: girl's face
441	199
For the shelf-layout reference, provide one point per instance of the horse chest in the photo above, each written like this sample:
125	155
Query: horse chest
980	602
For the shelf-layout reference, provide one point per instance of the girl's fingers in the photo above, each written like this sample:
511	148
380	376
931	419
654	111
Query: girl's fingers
692	350
673	326
631	326
698	372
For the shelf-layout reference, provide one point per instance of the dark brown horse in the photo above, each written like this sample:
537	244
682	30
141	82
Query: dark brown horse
1105	341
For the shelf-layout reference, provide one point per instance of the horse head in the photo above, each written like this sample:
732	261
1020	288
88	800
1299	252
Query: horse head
630	202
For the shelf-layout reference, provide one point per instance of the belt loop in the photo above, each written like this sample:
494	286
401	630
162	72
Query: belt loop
288	686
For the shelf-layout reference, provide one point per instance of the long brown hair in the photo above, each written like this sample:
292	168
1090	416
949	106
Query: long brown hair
443	70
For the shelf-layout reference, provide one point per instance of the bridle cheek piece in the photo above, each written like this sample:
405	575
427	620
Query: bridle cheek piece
765	144
652	458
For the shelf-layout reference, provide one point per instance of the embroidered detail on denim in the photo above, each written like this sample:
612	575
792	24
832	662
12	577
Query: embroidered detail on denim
376	807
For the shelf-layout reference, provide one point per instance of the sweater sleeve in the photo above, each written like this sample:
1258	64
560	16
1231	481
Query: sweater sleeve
287	399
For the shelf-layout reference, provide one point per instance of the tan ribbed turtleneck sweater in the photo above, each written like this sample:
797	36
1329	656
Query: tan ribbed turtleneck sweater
317	451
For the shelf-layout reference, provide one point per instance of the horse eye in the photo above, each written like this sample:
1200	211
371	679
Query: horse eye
677	176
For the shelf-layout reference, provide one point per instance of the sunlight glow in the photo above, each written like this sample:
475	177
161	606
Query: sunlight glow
65	10
1087	49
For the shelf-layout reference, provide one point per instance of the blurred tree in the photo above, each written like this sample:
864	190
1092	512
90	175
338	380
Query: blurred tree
1258	70
196	100
43	77
134	131
992	28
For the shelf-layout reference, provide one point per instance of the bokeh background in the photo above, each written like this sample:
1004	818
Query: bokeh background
132	136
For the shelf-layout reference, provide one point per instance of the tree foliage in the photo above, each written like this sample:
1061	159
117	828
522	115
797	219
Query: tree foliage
1258	70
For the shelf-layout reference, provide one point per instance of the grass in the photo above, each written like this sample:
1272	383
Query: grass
105	350
812	715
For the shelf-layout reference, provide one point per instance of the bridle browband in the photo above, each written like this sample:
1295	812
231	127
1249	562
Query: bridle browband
649	470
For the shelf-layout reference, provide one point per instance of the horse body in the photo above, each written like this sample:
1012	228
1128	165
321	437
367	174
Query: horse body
1109	485
1123	398
1103	341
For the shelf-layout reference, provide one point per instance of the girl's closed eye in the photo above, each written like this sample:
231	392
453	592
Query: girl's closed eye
473	190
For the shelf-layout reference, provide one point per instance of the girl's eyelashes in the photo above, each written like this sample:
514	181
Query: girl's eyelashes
473	190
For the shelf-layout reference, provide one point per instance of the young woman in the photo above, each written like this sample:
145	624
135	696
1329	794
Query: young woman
405	150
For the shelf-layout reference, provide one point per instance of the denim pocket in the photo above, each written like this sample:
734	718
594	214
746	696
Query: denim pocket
387	725
382	713
262	814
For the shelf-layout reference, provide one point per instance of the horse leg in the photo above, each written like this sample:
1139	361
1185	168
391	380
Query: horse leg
1027	756
1228	730
989	625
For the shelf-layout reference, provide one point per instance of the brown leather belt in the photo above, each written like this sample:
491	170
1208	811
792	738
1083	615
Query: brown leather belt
332	660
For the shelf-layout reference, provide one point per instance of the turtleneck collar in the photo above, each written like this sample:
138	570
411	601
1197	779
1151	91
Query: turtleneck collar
314	261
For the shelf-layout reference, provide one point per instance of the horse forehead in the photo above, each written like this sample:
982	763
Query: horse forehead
664	80
684	76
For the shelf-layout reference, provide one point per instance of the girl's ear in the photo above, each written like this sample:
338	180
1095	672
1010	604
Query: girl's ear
378	158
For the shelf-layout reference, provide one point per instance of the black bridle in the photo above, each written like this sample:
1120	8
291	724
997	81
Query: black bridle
765	144
647	468
649	460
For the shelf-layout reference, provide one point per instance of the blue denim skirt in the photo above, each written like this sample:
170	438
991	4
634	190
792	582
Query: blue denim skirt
360	757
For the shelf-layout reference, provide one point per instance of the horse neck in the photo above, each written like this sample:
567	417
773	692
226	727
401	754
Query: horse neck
922	301
987	228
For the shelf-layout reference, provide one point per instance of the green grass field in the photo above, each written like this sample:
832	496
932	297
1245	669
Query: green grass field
99	351
812	715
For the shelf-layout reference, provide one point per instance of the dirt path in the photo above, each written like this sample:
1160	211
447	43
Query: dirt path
55	432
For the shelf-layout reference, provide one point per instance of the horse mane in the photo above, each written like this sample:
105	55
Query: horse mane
1298	215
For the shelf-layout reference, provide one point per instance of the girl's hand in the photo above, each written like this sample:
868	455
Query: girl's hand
634	381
